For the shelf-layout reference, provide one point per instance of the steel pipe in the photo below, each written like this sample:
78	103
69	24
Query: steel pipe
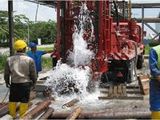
37	110
74	114
109	114
70	103
47	114
116	115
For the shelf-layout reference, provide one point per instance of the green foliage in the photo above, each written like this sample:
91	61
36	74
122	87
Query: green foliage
3	17
46	31
2	61
46	63
147	49
3	25
45	48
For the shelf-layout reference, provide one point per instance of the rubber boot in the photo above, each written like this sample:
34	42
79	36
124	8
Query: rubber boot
12	109
155	115
23	109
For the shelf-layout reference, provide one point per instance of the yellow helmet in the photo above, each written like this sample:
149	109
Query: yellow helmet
19	45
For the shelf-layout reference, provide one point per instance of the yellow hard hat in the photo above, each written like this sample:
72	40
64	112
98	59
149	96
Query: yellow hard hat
19	45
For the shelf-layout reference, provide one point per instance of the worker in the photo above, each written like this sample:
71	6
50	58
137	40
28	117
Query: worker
36	55
154	64
55	57
19	75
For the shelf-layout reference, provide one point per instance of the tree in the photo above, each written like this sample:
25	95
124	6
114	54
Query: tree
44	30
24	28
3	26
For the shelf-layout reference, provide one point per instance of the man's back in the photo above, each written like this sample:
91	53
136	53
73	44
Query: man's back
21	68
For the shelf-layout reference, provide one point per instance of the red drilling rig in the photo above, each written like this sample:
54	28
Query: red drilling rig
117	42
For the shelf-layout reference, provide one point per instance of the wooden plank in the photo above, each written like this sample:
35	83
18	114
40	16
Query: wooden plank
130	91
122	98
110	93
115	91
124	90
119	90
144	84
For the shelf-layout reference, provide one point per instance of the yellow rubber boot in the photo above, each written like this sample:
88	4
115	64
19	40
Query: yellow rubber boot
23	109
155	115
12	109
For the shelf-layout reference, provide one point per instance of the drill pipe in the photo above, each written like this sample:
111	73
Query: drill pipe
70	103
74	114
37	110
117	115
4	110
105	115
47	114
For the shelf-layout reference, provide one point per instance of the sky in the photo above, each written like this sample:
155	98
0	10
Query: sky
45	13
29	9
148	13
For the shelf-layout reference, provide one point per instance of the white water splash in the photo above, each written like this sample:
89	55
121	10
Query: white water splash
81	55
80	58
63	74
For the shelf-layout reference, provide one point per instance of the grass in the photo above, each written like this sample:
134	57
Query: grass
46	63
147	48
46	48
3	59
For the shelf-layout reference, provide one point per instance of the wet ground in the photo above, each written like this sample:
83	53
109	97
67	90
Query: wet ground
90	102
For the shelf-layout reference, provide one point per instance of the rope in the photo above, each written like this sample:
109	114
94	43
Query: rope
3	100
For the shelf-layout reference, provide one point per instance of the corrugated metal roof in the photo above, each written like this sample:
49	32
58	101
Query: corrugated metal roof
49	3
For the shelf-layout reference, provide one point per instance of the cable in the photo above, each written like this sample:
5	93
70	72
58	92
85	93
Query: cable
5	96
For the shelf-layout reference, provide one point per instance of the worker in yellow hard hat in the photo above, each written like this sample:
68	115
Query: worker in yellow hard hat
21	69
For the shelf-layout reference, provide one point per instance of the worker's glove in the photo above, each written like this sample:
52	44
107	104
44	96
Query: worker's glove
8	84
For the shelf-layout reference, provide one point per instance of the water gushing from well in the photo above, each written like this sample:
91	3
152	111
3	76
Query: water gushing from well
79	74
81	55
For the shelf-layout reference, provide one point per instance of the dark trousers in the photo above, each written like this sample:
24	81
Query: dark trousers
19	92
54	62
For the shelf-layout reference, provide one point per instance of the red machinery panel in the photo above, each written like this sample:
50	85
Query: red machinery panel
114	41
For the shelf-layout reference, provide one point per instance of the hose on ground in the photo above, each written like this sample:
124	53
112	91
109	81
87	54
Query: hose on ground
3	100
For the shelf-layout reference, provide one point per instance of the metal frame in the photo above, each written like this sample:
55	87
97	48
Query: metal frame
10	21
149	20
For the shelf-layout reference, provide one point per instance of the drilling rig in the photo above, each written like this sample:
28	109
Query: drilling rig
117	41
